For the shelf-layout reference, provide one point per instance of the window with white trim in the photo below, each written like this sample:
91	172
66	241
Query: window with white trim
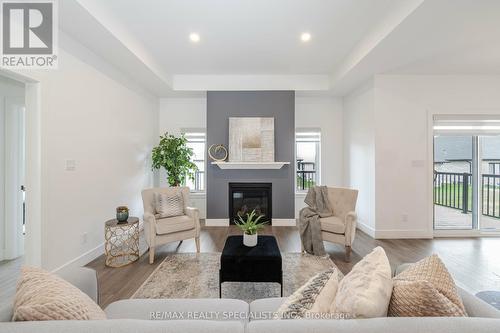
308	158
196	140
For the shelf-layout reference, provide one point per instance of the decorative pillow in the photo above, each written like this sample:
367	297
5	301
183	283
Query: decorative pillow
426	289
366	291
42	295
169	205
315	296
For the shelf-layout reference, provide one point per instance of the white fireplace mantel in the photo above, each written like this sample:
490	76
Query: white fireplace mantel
250	165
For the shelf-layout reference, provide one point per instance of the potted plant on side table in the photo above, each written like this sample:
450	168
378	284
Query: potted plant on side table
250	227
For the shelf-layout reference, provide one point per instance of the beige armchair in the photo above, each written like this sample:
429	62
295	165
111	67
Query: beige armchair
160	231
341	227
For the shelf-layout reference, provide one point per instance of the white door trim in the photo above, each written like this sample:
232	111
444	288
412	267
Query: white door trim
14	176
465	233
34	190
430	180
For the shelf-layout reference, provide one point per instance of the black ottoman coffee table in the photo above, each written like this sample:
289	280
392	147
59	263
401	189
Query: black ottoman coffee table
261	263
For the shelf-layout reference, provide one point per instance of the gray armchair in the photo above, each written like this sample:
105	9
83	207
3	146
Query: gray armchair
161	231
341	227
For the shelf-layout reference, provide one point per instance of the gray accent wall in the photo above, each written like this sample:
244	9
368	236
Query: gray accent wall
278	104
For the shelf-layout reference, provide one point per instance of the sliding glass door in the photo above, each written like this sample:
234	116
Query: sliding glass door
466	180
453	182
489	161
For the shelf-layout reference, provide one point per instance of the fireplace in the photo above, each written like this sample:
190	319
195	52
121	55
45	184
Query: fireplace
245	197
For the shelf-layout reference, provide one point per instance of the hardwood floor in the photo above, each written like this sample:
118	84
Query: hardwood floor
473	262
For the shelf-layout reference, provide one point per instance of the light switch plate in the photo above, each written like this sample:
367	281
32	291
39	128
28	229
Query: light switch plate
70	165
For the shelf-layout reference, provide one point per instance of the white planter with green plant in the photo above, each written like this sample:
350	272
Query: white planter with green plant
250	227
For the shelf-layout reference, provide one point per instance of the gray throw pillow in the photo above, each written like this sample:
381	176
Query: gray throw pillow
169	205
314	297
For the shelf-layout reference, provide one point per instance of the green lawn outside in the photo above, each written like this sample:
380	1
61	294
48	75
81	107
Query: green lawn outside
496	191
450	195
307	184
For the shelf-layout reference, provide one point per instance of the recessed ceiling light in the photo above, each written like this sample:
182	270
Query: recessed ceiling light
194	37
305	37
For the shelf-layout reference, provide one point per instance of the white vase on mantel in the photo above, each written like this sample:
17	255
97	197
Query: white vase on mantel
249	240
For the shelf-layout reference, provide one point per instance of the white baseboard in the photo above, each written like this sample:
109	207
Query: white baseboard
82	260
284	222
216	222
403	234
465	233
90	255
366	229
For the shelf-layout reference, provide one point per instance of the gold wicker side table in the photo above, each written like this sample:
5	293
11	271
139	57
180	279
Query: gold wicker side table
122	242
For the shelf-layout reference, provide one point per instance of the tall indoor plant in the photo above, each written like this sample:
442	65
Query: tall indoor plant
173	154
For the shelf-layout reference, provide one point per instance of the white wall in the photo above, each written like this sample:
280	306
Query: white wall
90	114
326	114
11	94
403	107
359	153
2	178
177	114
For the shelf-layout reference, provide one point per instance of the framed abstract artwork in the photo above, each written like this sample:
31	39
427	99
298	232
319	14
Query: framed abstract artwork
251	139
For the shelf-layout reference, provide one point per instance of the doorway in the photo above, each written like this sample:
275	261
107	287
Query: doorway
12	180
466	174
12	168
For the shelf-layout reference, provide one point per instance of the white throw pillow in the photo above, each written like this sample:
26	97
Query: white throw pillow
42	295
366	291
169	205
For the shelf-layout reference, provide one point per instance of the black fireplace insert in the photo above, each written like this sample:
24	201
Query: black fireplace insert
245	197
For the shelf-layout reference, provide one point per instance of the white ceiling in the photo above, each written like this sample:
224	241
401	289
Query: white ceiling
464	41
255	44
244	37
440	37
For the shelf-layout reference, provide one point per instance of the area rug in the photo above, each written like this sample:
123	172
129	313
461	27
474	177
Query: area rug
490	297
191	275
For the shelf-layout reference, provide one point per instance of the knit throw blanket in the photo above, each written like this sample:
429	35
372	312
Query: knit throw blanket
318	206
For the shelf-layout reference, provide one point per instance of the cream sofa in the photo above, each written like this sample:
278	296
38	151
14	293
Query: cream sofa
236	316
161	231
